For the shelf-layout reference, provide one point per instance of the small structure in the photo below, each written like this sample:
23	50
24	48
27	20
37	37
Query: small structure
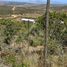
28	20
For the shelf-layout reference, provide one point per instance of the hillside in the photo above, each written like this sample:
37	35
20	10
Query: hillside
22	43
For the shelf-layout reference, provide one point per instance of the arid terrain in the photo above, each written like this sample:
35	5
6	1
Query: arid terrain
22	44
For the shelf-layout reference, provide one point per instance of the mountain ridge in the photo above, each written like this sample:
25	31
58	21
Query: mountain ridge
26	3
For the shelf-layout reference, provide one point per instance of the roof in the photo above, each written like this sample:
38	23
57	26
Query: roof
28	20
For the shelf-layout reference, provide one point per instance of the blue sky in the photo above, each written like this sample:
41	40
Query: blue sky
41	1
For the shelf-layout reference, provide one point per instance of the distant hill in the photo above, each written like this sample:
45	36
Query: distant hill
15	3
26	4
11	3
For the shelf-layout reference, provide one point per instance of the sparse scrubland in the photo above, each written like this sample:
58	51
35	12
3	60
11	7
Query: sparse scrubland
21	44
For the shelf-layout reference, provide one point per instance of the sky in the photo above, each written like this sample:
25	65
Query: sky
40	1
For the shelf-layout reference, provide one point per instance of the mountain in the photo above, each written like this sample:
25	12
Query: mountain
12	3
26	3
